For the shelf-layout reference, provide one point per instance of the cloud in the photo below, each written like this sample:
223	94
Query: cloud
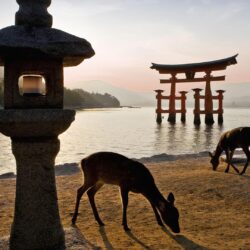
220	10
81	8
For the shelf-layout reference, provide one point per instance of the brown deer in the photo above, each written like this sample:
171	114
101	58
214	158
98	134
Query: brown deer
115	169
229	141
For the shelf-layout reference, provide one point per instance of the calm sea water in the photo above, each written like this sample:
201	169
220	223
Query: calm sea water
134	133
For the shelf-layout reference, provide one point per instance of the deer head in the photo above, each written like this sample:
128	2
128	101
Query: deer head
170	214
214	160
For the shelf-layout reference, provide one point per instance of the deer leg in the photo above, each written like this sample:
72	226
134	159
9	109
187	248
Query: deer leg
91	194
124	195
235	168
157	216
228	156
80	193
244	169
246	151
230	161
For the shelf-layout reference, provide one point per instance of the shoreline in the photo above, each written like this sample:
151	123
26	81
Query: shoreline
73	168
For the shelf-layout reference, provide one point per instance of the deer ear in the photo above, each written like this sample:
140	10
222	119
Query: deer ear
171	198
210	154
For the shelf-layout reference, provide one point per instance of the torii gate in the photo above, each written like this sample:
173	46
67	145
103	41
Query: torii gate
189	70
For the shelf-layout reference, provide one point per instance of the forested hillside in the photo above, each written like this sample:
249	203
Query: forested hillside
78	98
83	99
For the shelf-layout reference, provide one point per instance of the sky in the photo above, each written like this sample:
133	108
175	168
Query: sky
128	35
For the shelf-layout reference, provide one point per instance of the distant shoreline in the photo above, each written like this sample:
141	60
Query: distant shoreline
72	168
101	108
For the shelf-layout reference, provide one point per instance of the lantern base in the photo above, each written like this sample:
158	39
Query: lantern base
73	240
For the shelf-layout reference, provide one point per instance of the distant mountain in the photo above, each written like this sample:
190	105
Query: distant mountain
126	97
236	95
238	102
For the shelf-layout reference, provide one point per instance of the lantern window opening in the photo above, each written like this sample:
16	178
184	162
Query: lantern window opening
32	85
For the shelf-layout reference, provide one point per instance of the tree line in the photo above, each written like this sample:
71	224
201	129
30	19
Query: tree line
83	99
78	98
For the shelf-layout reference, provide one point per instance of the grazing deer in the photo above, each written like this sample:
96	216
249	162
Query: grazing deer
115	169
229	141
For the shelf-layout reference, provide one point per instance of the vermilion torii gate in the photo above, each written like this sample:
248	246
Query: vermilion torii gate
190	70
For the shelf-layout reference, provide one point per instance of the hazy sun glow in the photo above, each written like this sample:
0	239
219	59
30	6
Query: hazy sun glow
128	35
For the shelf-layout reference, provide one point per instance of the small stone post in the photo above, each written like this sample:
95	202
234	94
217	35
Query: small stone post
159	108
197	119
183	105
172	111
220	106
208	101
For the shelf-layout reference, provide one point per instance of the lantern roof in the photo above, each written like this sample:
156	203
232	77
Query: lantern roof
32	34
20	39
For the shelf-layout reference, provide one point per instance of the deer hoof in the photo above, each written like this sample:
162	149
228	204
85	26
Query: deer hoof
160	223
101	224
242	173
126	228
73	221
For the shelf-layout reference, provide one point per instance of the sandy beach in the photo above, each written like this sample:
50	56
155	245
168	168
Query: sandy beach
214	209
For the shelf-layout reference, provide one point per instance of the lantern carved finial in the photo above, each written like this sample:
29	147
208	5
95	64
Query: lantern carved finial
33	13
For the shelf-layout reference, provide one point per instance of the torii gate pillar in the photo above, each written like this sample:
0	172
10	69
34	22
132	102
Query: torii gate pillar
209	119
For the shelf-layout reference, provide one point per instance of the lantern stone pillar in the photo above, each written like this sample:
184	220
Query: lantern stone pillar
32	49
36	182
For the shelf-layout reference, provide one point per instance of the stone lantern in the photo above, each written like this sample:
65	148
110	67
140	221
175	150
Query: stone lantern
33	55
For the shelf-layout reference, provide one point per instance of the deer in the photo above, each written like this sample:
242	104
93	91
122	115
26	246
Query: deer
112	168
229	141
